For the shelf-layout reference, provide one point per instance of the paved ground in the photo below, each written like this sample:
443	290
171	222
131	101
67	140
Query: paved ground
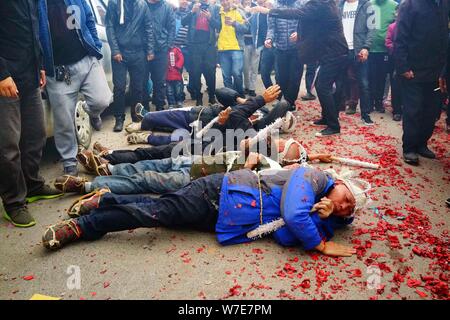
402	240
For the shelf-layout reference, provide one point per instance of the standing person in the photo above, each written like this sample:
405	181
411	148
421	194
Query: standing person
175	96
130	37
162	17
230	45
379	57
310	75
322	38
181	37
267	62
282	35
203	23
72	51
22	135
359	36
251	51
420	51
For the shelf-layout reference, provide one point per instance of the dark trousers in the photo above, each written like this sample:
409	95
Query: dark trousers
310	75
378	69
267	65
133	64
396	90
175	94
157	69
278	111
203	59
133	156
22	137
421	108
289	73
330	73
194	206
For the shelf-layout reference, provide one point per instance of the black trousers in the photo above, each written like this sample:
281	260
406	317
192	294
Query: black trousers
133	64
22	138
421	108
309	76
203	59
278	111
157	69
194	206
267	65
331	71
133	156
396	90
378	70
289	73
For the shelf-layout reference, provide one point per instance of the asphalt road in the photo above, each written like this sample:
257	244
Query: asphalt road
402	239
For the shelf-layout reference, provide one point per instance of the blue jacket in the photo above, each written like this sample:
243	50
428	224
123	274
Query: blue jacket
87	32
290	194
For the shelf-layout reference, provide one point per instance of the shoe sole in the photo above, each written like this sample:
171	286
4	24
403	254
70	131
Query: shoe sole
43	197
318	135
411	162
318	125
7	217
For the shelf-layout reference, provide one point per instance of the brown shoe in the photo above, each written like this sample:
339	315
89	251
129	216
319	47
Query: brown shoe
86	203
83	158
101	150
60	234
100	165
68	183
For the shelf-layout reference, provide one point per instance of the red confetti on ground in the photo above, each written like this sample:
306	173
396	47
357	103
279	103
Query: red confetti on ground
28	278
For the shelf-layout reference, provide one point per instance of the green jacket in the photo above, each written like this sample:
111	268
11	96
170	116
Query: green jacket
384	16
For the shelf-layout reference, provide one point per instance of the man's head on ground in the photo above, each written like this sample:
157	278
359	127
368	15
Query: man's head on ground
290	151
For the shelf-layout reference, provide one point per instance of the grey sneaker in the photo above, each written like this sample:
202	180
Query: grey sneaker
20	217
44	193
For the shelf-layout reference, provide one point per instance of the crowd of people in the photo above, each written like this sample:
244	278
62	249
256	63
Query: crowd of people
353	52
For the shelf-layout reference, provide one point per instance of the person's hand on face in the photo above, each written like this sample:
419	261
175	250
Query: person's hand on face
8	88
324	208
271	93
224	115
343	200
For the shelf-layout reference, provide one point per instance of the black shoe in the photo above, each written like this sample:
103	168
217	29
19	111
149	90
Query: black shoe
118	127
320	122
350	110
367	120
426	153
327	132
411	158
308	97
246	91
397	117
20	217
251	93
96	123
71	170
212	100
448	202
199	101
45	192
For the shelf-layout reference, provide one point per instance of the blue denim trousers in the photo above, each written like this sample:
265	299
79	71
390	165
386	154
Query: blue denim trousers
232	65
147	176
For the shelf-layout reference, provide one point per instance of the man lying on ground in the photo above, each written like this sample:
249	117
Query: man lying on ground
311	204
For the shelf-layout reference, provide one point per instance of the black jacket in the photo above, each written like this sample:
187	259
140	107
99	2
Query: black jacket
164	24
135	34
320	32
422	38
215	23
20	51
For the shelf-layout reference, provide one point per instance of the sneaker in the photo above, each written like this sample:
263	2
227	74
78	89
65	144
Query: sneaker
367	121
133	127
397	117
411	158
138	138
251	93
118	126
212	100
96	123
199	101
140	111
71	170
320	122
83	205
327	132
45	192
350	110
100	149
20	217
70	184
308	97
60	234
426	153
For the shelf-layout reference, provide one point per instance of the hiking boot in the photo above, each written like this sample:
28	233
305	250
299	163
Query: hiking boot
71	170
60	234
133	127
140	111
308	97
320	122
70	184
350	110
138	138
101	150
367	121
96	123
45	192
118	127
411	158
327	132
86	203
20	217
426	153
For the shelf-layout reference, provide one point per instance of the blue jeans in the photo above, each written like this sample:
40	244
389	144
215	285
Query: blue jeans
232	64
175	96
147	176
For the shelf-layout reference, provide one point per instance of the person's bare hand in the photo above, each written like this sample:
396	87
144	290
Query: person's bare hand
293	37
43	79
268	43
323	157
408	75
229	21
260	9
363	55
8	88
271	93
150	57
196	7
324	208
206	13
118	58
443	85
224	115
337	250
292	166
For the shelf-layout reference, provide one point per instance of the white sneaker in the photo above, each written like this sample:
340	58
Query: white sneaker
133	127
138	138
